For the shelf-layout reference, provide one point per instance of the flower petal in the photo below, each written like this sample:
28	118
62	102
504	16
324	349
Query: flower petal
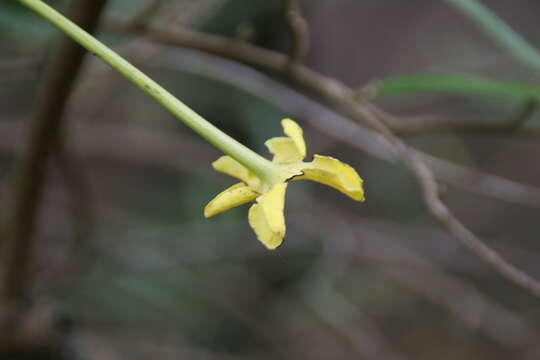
332	172
236	195
283	149
288	149
266	216
294	131
231	167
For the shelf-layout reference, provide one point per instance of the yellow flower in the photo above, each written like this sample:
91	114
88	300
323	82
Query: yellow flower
266	215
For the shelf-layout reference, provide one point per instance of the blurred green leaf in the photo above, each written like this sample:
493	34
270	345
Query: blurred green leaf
459	85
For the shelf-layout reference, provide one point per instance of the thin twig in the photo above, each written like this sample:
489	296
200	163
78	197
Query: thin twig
343	97
342	128
418	125
428	185
299	33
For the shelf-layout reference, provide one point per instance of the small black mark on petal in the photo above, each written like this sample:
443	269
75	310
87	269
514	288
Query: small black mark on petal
295	175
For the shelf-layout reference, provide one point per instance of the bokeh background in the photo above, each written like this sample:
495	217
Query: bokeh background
125	266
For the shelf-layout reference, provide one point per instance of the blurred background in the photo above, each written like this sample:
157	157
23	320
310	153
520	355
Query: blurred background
122	265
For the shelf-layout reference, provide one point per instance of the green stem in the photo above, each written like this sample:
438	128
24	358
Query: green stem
514	43
262	167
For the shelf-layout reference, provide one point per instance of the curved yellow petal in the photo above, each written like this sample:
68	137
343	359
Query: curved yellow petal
288	149
284	150
231	167
332	172
236	195
266	217
294	131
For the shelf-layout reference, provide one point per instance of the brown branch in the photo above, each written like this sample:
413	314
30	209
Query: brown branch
139	146
318	115
366	114
299	33
428	185
330	123
273	61
18	241
421	125
526	113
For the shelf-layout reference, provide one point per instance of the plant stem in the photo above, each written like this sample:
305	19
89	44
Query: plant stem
262	167
510	40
